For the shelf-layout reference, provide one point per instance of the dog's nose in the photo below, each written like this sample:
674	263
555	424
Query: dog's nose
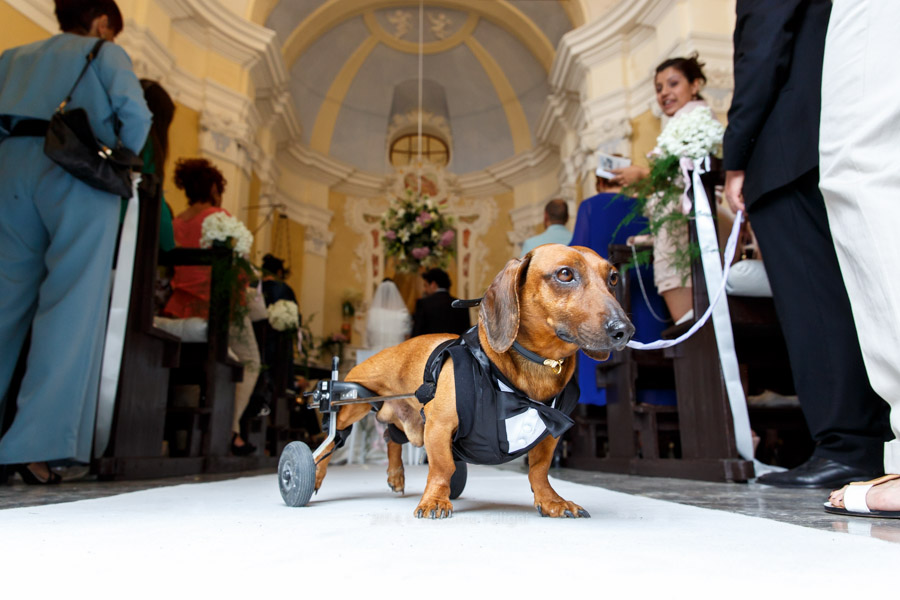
619	331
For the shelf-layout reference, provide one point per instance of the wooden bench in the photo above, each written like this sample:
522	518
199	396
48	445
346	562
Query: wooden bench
150	437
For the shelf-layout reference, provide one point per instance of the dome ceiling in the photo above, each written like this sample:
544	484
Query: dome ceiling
347	59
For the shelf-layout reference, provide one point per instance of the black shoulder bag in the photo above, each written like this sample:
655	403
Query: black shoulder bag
70	142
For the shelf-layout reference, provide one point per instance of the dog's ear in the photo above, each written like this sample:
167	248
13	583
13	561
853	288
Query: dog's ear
601	356
499	310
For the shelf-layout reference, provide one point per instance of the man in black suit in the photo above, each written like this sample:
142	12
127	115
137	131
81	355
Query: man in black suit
771	162
433	312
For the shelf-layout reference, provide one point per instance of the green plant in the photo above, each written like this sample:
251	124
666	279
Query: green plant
658	198
686	138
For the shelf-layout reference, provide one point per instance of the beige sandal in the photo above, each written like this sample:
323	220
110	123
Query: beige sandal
855	500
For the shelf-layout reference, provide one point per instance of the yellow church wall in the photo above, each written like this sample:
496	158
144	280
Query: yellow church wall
605	77
499	250
642	61
671	28
260	9
645	129
341	256
188	55
259	247
711	16
294	262
183	143
230	74
194	59
151	17
539	189
17	29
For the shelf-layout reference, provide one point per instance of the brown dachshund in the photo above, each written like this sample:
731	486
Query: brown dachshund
553	302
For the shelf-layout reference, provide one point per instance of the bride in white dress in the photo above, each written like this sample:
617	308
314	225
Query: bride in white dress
388	323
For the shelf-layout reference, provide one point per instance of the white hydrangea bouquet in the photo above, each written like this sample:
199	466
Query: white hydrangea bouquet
284	315
693	135
662	195
222	227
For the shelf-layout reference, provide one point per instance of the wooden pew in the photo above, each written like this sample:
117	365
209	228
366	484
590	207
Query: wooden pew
135	449
144	442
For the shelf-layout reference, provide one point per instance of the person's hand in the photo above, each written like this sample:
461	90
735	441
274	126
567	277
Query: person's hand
734	190
630	174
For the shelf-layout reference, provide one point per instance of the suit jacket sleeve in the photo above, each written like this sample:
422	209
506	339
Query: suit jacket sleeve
418	319
763	43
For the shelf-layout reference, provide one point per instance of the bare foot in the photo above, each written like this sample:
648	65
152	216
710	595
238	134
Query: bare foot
881	496
40	470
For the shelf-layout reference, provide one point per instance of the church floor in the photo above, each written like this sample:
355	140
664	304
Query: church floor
797	507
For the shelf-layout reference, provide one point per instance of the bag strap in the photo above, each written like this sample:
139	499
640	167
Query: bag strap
90	57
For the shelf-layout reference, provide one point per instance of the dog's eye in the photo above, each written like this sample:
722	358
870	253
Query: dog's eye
566	275
613	279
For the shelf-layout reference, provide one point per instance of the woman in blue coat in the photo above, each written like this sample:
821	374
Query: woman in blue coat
57	235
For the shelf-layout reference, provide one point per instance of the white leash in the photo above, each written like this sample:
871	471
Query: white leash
730	246
716	277
637	273
116	324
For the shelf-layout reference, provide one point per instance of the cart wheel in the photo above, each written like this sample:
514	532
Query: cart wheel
458	480
296	474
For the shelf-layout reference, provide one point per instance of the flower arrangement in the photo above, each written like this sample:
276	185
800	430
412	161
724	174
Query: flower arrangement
283	315
417	233
221	229
687	137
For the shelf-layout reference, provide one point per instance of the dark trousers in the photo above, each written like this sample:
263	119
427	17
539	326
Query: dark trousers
847	420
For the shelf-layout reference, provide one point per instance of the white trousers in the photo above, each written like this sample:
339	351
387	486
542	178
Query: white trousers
242	341
859	149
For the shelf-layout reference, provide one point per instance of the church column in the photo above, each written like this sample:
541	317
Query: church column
315	217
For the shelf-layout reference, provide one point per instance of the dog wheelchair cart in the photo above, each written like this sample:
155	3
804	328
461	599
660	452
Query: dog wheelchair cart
297	464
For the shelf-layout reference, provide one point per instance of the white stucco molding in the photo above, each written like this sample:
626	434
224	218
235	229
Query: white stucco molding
525	222
208	24
599	119
498	178
41	12
228	126
600	39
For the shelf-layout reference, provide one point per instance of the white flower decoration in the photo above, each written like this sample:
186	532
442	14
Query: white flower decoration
221	227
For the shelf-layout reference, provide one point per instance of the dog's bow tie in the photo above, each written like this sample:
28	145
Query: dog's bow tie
511	404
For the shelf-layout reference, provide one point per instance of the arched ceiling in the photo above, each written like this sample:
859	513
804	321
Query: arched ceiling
491	58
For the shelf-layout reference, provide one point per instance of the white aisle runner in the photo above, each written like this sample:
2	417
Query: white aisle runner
234	539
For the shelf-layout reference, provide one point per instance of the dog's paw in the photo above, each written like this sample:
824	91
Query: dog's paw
434	509
561	509
396	480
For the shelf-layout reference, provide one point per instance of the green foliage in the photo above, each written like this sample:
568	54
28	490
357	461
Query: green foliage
658	198
232	277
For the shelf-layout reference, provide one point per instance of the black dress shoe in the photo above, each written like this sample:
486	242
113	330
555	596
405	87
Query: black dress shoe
817	472
246	450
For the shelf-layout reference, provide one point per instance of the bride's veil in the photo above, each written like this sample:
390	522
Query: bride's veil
389	322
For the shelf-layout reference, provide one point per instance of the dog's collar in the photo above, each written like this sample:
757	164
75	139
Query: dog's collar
556	365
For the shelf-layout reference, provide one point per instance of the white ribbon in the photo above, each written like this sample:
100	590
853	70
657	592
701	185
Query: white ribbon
116	324
716	277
